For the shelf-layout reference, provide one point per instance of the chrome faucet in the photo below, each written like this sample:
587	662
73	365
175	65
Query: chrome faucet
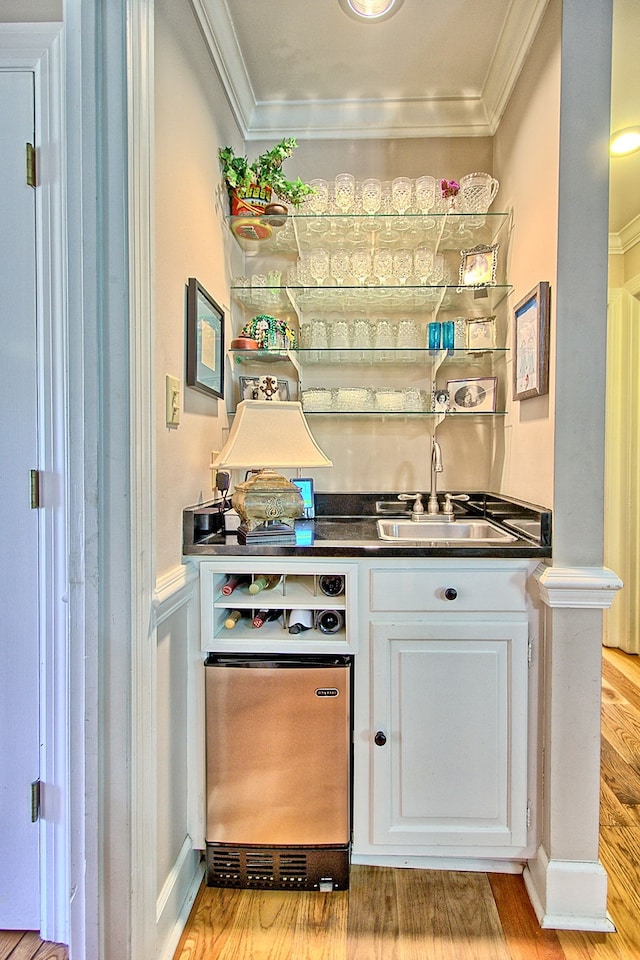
433	507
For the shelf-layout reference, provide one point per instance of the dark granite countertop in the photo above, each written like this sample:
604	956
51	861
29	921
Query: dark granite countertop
345	526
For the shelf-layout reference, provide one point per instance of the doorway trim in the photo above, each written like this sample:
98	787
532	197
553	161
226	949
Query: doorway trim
37	48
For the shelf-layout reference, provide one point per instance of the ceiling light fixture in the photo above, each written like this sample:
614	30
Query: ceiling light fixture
624	141
370	10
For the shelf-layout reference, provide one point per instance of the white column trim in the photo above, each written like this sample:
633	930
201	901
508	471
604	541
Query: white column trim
140	149
577	587
568	894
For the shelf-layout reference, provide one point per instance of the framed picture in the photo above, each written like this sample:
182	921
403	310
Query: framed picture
473	395
440	401
205	341
478	266
531	344
481	333
263	388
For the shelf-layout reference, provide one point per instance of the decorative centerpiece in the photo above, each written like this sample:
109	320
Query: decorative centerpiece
251	185
271	333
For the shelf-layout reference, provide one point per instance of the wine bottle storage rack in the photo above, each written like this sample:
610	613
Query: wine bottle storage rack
295	591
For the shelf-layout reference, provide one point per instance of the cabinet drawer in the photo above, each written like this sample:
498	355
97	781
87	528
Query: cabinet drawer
442	589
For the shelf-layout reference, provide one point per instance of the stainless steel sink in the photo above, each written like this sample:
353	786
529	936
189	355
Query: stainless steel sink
480	531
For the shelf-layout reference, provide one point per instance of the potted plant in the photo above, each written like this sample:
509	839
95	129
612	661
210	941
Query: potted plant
250	185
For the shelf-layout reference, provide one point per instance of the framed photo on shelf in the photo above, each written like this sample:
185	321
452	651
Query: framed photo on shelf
481	334
478	266
531	344
205	341
263	388
473	395
440	401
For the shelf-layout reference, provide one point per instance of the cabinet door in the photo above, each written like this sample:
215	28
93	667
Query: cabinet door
450	700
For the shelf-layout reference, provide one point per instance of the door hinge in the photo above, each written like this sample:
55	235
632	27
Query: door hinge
529	814
530	651
34	491
35	801
31	165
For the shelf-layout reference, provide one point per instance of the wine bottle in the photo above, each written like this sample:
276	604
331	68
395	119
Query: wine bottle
330	621
233	582
266	581
300	620
233	617
331	585
263	616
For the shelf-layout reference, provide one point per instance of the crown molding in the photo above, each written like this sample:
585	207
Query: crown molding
376	118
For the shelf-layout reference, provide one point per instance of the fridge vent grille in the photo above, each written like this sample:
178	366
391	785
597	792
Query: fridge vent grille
276	868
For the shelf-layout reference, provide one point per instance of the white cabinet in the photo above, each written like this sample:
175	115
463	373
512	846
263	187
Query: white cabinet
442	730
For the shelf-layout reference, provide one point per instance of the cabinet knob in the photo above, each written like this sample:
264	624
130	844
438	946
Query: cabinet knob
380	739
450	593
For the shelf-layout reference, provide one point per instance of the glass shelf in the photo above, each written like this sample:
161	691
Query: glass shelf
378	414
301	232
357	356
387	298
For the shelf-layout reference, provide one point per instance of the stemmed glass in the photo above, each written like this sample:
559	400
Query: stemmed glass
317	204
402	265
340	265
423	263
361	264
401	194
319	264
344	192
425	193
383	265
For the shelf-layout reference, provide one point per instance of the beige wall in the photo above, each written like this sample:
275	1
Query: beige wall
526	162
192	121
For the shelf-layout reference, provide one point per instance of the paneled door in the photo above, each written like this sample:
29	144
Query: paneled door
19	629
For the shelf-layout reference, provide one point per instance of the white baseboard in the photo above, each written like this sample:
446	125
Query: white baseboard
568	894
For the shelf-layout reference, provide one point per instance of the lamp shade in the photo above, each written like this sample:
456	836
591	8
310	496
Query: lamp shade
270	434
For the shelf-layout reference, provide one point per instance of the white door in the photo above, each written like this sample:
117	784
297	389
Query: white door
450	751
19	647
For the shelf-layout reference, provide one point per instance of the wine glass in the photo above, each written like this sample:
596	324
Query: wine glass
340	265
401	194
344	192
402	265
425	193
383	265
371	195
423	263
319	264
361	264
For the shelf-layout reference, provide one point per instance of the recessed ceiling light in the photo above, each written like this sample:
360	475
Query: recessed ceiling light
625	141
370	10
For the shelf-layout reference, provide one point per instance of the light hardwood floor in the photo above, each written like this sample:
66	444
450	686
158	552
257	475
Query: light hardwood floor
439	915
432	915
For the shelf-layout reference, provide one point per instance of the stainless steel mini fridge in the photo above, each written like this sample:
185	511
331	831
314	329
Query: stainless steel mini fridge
278	771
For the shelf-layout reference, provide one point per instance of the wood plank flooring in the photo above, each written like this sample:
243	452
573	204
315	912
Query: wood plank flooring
430	914
440	915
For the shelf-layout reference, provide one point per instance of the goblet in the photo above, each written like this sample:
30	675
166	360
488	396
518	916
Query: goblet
383	265
371	195
361	264
423	263
401	194
319	261
344	192
340	265
425	193
402	265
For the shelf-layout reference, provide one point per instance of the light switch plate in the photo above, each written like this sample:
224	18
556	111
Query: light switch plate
173	401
